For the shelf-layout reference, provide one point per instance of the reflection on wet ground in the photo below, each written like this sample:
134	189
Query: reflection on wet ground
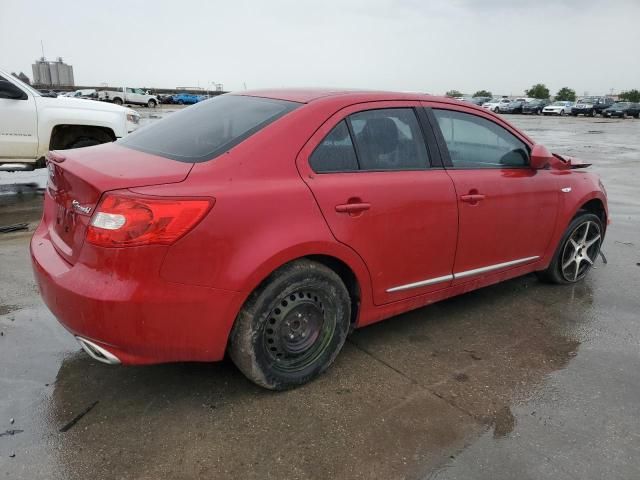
521	379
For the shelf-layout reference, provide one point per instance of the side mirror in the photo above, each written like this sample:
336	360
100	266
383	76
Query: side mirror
10	92
540	157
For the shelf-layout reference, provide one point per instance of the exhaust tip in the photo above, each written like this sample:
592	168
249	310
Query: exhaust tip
97	352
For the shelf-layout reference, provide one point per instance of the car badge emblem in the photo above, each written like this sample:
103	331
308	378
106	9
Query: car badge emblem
80	208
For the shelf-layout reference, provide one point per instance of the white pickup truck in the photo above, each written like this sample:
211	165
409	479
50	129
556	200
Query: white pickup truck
31	124
129	96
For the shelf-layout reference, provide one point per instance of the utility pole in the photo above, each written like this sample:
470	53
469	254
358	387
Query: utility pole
42	48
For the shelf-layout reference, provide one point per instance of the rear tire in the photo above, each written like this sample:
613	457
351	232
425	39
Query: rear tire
151	104
292	327
577	251
117	101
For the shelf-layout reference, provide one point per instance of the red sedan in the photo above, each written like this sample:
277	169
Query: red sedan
269	224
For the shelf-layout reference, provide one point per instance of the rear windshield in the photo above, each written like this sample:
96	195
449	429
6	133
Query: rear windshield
209	128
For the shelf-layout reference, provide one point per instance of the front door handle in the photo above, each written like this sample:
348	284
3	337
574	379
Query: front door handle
353	207
472	198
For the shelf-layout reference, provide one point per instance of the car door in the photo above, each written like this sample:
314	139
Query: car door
383	193
18	124
507	210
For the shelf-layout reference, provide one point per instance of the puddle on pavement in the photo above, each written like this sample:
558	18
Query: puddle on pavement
456	368
5	309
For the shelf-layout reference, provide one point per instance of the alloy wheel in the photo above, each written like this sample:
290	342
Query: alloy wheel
580	251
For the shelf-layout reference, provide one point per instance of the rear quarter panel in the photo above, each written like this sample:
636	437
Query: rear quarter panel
264	214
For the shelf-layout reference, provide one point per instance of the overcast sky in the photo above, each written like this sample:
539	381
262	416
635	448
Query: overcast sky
418	45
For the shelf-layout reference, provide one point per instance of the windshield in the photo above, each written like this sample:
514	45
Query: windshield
209	128
560	104
621	105
588	100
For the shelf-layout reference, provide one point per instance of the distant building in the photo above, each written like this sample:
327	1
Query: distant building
53	74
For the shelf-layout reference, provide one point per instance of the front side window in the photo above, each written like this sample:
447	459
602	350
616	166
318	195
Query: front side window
389	139
204	131
475	142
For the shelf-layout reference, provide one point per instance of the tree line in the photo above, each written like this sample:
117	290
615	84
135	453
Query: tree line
540	90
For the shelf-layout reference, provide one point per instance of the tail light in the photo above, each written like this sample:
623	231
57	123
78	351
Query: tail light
122	220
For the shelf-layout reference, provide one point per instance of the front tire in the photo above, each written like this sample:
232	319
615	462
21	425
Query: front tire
292	327
151	104
577	251
117	101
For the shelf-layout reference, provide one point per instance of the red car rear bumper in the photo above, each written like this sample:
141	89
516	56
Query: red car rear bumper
139	320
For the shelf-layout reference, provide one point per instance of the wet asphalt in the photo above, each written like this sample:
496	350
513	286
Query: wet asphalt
519	380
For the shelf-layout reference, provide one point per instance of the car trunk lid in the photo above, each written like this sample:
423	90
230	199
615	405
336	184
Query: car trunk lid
78	178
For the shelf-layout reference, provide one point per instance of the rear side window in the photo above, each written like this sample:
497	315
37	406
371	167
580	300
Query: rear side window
335	153
207	129
475	142
385	139
389	139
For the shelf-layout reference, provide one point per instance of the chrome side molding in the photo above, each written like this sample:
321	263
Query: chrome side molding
466	273
422	283
497	266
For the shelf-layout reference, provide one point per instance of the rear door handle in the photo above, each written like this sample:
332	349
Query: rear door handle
353	207
472	198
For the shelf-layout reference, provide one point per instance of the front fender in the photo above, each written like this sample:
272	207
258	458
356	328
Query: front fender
584	188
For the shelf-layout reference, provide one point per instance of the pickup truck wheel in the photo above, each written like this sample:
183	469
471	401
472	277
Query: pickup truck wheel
84	142
292	327
117	101
151	104
577	251
562	113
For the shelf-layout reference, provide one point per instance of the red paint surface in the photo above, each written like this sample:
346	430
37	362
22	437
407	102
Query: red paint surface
160	303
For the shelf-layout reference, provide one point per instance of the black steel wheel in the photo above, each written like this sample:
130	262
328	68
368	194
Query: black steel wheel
292	327
577	251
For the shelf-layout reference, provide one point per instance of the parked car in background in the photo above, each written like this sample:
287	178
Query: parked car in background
479	100
591	106
129	96
84	93
535	106
191	266
560	107
187	98
31	124
514	106
494	105
165	99
622	110
48	93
